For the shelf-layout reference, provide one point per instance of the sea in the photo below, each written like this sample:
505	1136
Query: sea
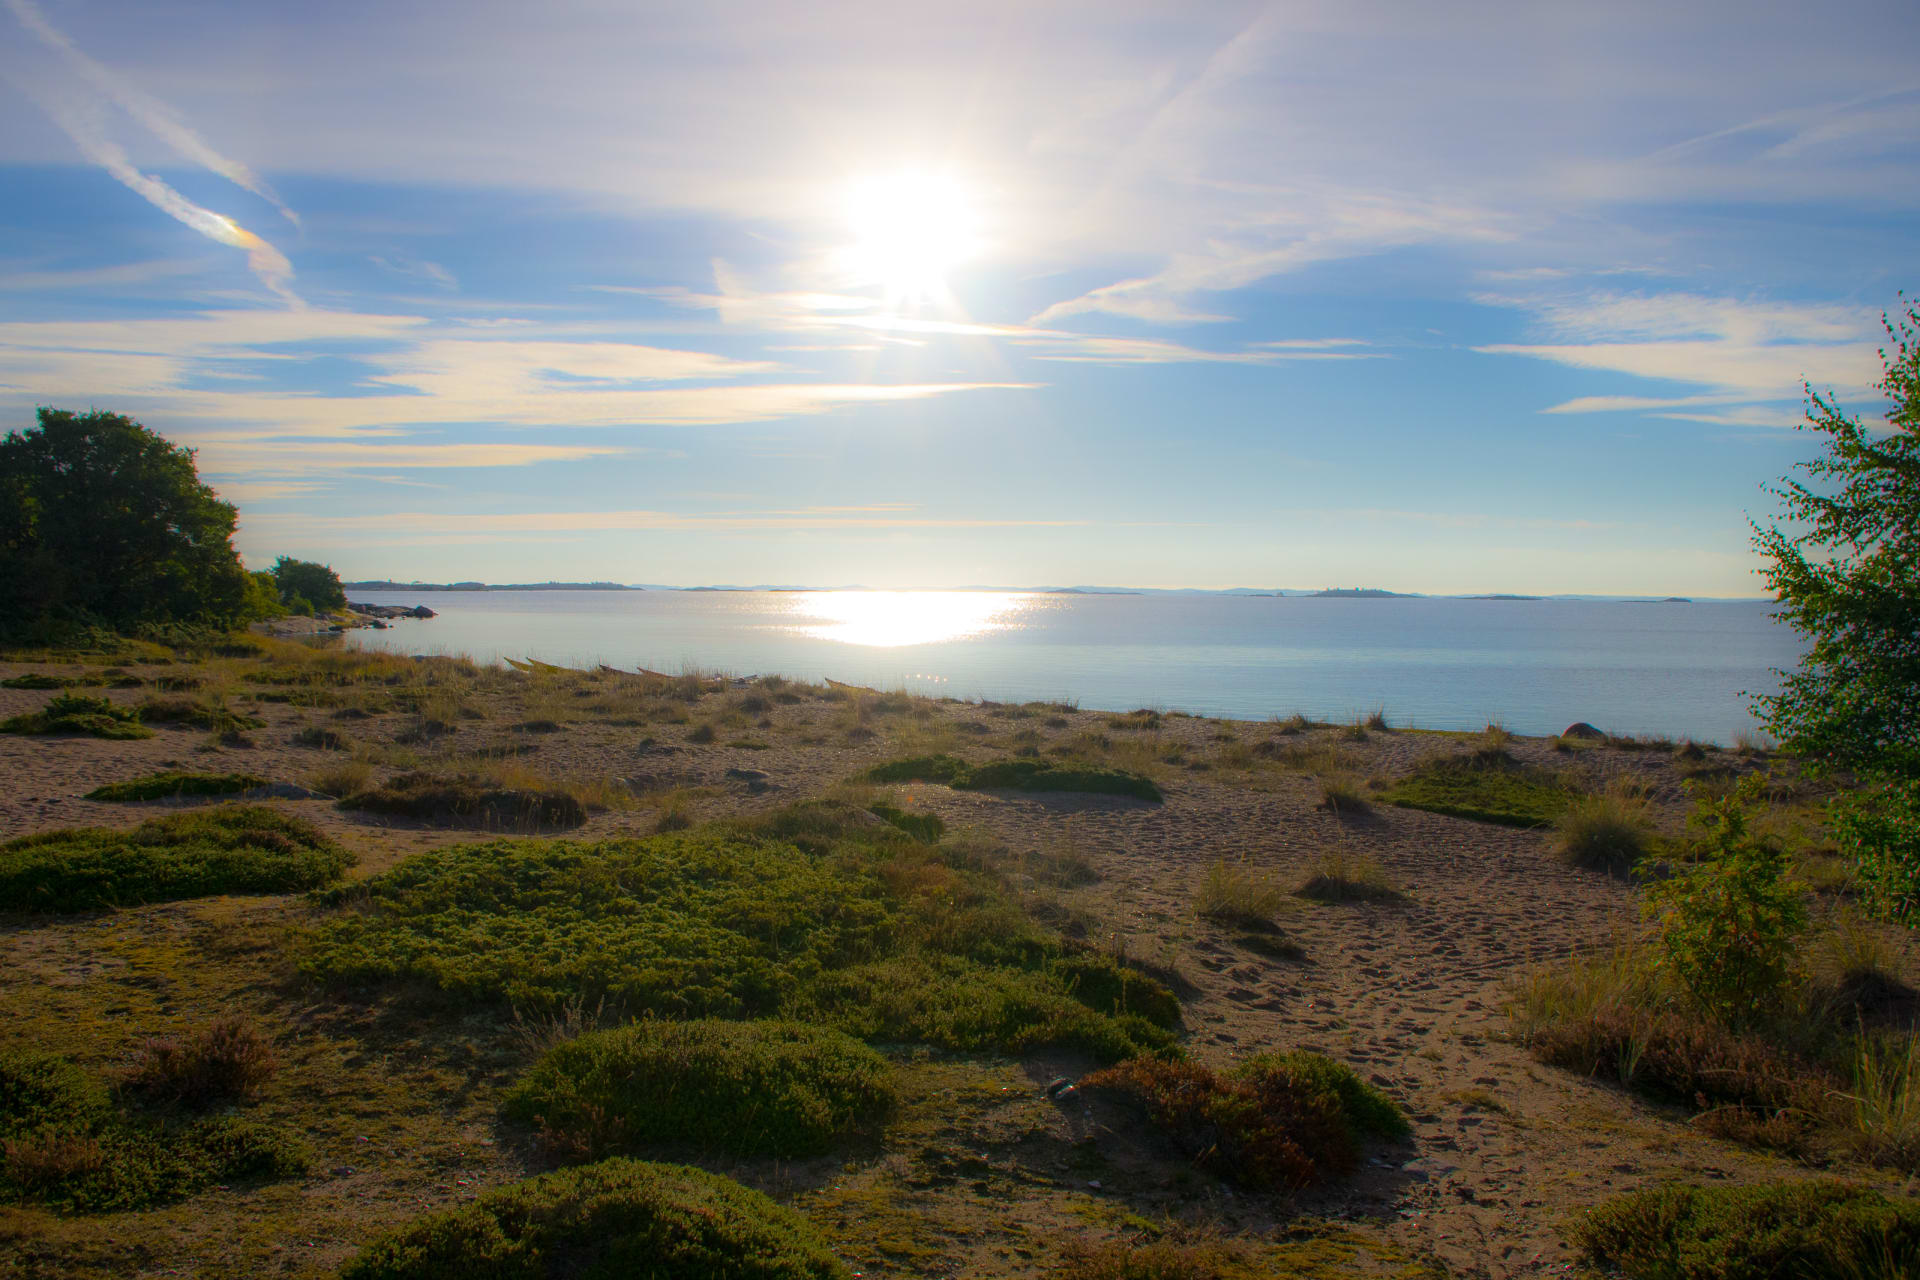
1679	669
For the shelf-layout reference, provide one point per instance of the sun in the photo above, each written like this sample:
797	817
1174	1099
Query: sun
909	231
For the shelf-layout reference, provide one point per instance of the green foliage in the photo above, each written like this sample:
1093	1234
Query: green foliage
745	1088
211	714
1488	786
76	713
227	849
814	912
1015	775
616	1220
1880	826
1729	921
173	782
314	584
35	680
927	828
1848	578
65	1146
464	800
1284	1121
1768	1231
103	521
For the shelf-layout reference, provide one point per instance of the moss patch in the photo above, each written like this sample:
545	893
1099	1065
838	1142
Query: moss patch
163	786
230	849
617	1220
1489	786
746	1088
1015	775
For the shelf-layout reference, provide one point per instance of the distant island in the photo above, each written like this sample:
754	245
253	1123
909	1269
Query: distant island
488	586
1501	596
1361	593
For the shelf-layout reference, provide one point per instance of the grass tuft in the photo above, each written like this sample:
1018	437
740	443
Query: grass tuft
1340	876
1606	832
1239	895
467	800
224	1060
1015	775
78	714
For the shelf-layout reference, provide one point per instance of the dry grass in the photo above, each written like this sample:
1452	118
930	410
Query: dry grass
1340	875
1605	832
1240	895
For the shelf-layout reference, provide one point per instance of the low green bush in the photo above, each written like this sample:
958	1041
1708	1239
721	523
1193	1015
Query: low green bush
35	680
746	1088
1488	786
815	911
196	713
1606	832
228	849
1015	775
616	1220
163	786
62	1145
1769	1231
927	828
1284	1121
464	800
78	714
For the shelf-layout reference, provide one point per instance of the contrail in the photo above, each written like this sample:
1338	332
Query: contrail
266	262
84	126
148	110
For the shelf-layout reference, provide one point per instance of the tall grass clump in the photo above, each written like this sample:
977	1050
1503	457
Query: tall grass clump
755	1088
1340	875
617	1218
1605	832
817	912
1281	1121
1239	895
468	800
226	1059
1789	1230
228	849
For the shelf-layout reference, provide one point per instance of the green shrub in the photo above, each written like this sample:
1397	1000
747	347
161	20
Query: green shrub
1729	921
1284	1121
229	849
76	713
63	1145
616	1220
1878	826
35	680
1015	775
1488	786
212	715
1769	1231
163	786
465	800
746	1088
815	911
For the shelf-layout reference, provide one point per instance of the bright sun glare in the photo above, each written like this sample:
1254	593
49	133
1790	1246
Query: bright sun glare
887	619
909	231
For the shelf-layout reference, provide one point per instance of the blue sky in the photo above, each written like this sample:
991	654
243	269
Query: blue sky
1475	297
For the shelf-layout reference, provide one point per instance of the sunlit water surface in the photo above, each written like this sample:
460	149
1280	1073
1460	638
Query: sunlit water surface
1683	670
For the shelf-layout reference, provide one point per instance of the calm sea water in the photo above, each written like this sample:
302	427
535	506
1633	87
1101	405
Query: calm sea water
1684	670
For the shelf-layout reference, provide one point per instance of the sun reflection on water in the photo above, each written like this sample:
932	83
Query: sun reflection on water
889	619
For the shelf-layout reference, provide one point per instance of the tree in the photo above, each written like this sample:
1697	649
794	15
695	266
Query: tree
103	521
1848	578
304	581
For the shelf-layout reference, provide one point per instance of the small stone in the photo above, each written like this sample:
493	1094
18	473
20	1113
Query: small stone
1094	1183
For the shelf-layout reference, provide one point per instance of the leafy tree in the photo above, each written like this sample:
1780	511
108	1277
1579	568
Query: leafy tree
304	581
103	521
1848	577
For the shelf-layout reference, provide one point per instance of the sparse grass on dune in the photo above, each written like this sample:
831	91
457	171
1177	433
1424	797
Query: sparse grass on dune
468	800
1014	775
224	849
1340	875
1240	895
1606	832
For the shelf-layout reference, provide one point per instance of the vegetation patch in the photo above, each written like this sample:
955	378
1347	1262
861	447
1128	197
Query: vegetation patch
76	713
1284	1121
927	828
1340	876
1606	832
615	1219
1238	895
1788	1230
818	912
756	1088
1487	786
224	1060
37	680
173	783
196	713
467	800
63	1145
229	849
1015	775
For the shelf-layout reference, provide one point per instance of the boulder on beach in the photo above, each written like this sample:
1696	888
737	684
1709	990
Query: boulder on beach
1581	729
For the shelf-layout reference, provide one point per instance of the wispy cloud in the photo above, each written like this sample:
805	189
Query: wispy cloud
121	276
81	121
504	526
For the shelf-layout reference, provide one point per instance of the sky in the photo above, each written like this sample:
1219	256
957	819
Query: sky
1441	298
